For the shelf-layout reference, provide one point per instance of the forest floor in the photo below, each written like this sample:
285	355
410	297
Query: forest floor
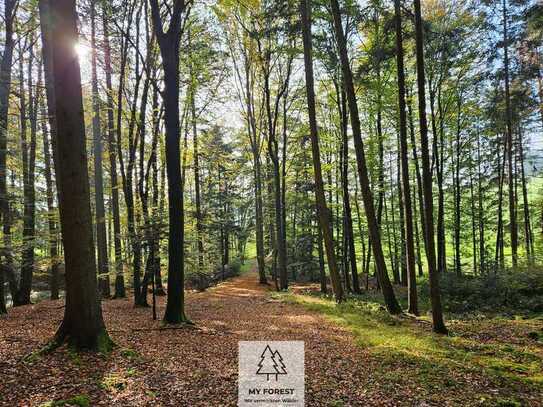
355	355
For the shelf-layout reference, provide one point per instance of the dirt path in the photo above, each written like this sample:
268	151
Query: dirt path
182	367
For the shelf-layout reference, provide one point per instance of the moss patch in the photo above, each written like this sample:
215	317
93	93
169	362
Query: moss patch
81	400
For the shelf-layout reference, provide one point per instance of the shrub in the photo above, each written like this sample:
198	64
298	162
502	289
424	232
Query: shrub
518	290
235	266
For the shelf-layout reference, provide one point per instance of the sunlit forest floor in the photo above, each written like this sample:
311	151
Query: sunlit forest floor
356	355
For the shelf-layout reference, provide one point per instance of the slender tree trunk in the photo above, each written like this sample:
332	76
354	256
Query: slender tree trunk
473	218
401	209
273	151
417	174
346	196
367	196
435	294
409	242
5	89
169	43
509	148
395	257
481	219
499	257
438	158
528	238
29	190
83	325
257	166
457	197
196	153
120	291
323	213
53	233
101	239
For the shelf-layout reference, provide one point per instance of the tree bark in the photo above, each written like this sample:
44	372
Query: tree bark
406	189
28	111
53	233
48	111
323	213
5	89
100	215
435	294
509	147
367	196
169	44
120	291
83	325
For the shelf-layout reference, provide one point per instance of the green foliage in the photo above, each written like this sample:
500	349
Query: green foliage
113	382
81	400
130	354
235	266
510	292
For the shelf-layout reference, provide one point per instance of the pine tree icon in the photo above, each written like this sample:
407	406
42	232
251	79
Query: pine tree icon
271	364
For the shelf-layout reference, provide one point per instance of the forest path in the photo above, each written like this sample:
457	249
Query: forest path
183	367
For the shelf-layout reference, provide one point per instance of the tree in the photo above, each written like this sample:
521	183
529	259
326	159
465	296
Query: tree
103	266
82	325
367	196
10	9
112	151
509	146
406	189
323	212
435	294
169	42
49	112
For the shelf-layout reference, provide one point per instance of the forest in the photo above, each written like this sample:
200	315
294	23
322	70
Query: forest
180	177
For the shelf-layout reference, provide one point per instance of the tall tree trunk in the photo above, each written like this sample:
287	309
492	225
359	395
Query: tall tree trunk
438	149
367	196
5	89
53	233
406	189
83	325
457	196
257	168
28	111
528	237
199	225
509	148
480	210
120	291
346	196
401	209
499	256
273	151
395	257
101	238
435	294
169	43
323	213
49	112
418	176
473	220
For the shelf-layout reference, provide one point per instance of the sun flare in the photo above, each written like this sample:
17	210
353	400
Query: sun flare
82	51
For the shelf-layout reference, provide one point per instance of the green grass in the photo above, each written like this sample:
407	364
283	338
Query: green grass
407	348
248	266
81	400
